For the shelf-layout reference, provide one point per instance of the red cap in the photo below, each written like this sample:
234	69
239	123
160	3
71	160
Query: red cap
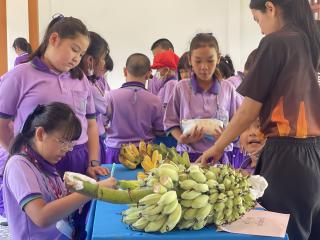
165	59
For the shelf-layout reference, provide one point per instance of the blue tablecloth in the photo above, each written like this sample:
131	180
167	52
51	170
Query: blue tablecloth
104	222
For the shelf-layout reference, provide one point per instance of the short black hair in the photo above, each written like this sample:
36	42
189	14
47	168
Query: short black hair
163	43
109	63
138	64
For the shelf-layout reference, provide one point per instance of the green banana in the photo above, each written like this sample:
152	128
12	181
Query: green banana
189	195
172	220
200	201
187	184
169	208
167	198
150	199
203	212
155	226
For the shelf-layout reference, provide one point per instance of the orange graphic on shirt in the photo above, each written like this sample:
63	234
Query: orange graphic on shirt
277	116
302	126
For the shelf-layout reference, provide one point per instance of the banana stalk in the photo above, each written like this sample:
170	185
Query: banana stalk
89	187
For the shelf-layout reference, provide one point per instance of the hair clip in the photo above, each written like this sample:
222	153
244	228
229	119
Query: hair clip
57	15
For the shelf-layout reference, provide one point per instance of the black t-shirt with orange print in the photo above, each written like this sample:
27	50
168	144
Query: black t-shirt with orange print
283	79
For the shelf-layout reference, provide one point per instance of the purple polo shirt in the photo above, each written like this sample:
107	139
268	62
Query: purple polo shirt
134	114
21	59
166	91
30	84
189	101
154	85
236	80
23	183
99	90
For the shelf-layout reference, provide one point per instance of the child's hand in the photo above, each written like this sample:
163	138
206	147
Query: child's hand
218	132
110	182
98	170
196	135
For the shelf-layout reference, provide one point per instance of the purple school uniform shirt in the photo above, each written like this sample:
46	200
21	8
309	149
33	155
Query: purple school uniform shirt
154	85
236	80
23	183
189	101
166	91
134	114
21	59
30	84
99	90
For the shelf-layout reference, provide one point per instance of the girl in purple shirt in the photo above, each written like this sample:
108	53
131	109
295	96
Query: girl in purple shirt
35	198
93	64
201	96
53	75
23	50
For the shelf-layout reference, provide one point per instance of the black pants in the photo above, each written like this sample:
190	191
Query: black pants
292	168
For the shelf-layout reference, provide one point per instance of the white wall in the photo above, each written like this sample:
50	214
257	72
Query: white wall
250	32
17	25
132	26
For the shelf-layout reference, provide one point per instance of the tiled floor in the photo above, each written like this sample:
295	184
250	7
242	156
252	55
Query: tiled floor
4	231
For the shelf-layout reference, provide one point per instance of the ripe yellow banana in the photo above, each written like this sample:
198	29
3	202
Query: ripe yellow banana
134	150
149	149
142	148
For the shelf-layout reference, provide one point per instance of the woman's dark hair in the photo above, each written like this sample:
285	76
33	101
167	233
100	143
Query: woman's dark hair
226	67
300	14
109	63
23	44
51	117
250	60
98	46
66	27
183	63
206	40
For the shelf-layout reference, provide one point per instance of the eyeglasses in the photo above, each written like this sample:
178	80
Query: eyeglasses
65	145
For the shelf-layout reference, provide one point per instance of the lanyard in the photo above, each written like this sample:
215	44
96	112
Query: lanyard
53	187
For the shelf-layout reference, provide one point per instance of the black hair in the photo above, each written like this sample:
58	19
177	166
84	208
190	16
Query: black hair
183	63
51	117
23	44
163	43
98	46
226	67
66	27
250	60
206	40
138	64
299	13
109	63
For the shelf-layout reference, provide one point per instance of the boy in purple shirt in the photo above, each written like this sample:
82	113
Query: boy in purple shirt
133	113
166	66
202	96
161	45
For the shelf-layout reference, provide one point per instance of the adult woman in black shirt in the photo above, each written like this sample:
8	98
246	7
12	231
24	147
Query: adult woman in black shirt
281	88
